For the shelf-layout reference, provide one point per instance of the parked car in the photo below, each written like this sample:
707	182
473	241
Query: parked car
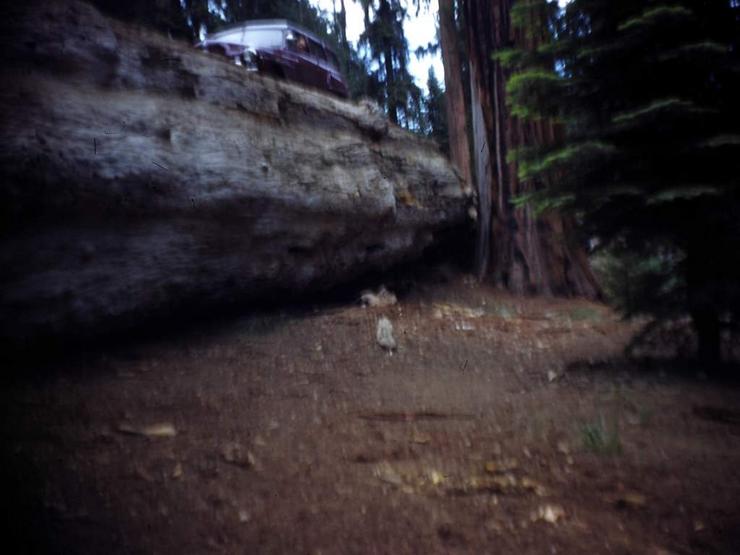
280	48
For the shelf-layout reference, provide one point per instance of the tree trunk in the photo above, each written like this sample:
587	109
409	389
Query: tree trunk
704	289
139	175
527	254
343	26
454	95
385	16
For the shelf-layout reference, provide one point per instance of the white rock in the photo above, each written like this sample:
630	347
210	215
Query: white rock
382	298
384	334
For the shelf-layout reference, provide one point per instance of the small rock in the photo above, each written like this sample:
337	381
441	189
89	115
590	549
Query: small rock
630	500
436	477
164	429
384	334
385	473
382	298
177	471
531	485
259	441
443	310
551	376
464	326
421	439
236	454
159	430
549	513
500	467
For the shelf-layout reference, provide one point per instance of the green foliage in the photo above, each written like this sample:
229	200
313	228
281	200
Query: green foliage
376	68
658	110
542	202
643	279
683	193
388	50
649	96
653	16
698	51
537	162
528	92
601	439
510	57
721	141
436	113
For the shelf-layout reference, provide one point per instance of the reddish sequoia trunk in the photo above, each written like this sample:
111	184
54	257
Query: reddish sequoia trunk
454	95
385	14
525	253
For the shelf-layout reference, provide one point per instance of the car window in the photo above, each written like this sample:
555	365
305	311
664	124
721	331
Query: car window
253	38
332	58
297	42
316	49
263	38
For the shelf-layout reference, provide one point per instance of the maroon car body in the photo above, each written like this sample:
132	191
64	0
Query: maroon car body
280	48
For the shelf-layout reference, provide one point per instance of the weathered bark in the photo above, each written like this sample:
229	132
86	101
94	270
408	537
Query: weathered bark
341	21
454	95
482	160
528	254
138	174
704	298
386	17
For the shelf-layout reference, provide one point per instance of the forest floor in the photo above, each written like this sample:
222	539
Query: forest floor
500	425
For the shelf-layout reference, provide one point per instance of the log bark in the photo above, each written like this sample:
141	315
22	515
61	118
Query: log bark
526	253
139	175
454	94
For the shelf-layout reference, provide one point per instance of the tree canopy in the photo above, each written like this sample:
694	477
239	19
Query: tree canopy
647	93
376	67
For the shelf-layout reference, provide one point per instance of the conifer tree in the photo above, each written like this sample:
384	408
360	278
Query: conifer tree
384	36
650	160
436	112
516	249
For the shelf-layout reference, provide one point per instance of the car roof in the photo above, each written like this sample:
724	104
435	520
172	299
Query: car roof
268	24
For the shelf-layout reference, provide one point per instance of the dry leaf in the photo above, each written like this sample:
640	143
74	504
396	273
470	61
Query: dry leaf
386	474
436	477
235	453
163	429
499	467
177	471
549	513
421	439
531	485
630	499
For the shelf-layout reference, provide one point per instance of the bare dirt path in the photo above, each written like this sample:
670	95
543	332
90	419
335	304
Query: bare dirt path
500	425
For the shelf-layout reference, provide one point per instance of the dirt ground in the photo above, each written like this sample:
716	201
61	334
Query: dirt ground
499	425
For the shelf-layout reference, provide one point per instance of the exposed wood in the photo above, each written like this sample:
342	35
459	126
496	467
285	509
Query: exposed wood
527	253
454	94
482	183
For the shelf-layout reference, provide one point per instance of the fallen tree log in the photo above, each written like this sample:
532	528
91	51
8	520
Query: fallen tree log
138	175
